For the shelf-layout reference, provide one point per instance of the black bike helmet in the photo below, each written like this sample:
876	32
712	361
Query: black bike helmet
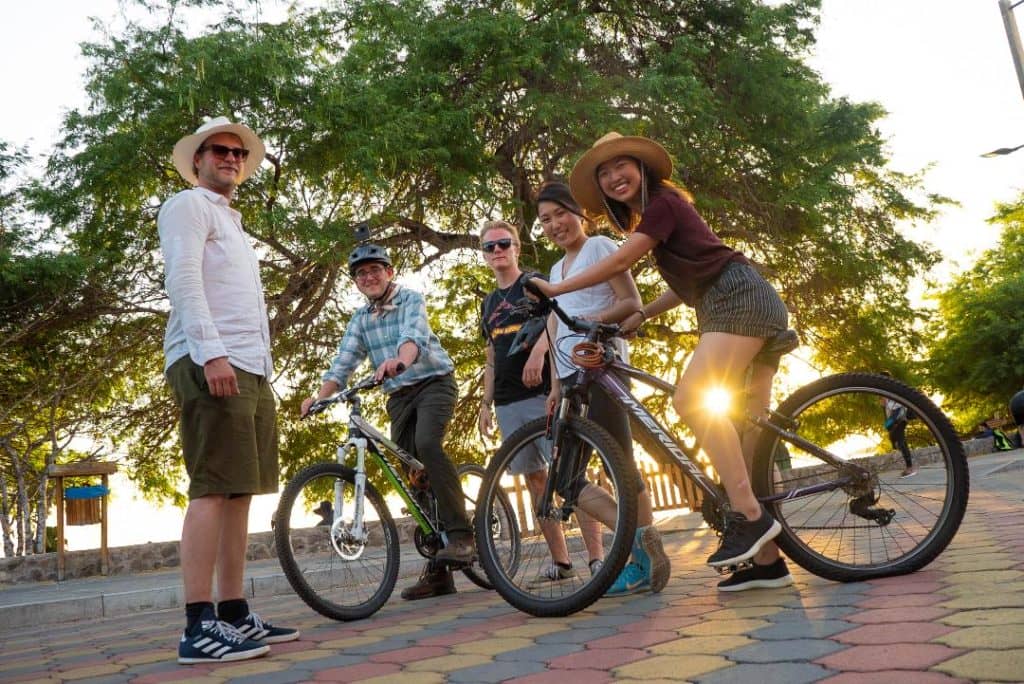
367	253
1017	407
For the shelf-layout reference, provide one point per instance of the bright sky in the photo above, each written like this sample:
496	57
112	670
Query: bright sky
942	69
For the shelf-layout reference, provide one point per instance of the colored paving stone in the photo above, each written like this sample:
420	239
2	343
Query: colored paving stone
970	618
356	673
889	657
774	673
564	677
494	672
783	651
907	614
407	678
992	599
995	666
894	632
722	627
447	663
890	676
636	640
802	629
671	667
490	647
602	659
991	637
701	645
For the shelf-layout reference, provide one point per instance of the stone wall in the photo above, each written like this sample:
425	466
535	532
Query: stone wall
127	560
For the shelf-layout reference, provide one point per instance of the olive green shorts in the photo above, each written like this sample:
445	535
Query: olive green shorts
229	443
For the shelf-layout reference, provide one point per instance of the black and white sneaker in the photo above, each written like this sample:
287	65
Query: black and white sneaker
758	577
742	538
252	626
216	641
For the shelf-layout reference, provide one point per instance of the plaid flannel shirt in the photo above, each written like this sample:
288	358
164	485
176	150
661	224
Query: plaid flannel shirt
404	320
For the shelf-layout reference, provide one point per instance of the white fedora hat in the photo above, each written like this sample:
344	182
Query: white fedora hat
583	179
185	149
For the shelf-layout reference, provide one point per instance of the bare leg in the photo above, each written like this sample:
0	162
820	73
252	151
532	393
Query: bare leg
719	360
200	542
551	529
233	542
759	397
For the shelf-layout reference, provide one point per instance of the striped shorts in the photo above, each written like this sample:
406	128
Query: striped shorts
741	302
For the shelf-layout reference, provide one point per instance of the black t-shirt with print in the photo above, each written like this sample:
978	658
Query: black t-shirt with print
499	323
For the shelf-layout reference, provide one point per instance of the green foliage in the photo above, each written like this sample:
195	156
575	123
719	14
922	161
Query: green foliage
427	118
976	358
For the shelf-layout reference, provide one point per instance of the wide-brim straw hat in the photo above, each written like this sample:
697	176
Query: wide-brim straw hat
583	179
185	149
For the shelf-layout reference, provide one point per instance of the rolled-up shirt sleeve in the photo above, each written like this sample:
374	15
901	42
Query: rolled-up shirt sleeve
183	236
414	326
351	353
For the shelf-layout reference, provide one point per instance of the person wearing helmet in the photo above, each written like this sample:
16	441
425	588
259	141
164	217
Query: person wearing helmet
393	332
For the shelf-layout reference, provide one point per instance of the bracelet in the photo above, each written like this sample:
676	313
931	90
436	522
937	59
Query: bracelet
643	316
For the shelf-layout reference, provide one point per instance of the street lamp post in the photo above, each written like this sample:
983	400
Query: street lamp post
1013	36
1017	51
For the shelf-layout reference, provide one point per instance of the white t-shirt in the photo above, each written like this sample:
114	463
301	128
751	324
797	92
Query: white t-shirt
586	302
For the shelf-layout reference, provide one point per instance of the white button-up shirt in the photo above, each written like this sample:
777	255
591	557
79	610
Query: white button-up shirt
212	276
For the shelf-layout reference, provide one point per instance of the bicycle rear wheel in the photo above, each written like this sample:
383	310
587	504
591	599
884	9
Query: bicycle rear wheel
895	521
335	570
603	465
504	527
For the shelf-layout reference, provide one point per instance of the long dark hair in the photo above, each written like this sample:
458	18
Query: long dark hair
622	217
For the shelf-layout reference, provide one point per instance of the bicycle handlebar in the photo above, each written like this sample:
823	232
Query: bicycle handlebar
369	382
594	330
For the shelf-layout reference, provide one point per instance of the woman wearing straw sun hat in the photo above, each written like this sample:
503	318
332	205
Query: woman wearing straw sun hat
625	179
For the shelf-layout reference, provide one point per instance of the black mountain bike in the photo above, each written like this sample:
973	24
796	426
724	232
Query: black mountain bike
342	556
822	467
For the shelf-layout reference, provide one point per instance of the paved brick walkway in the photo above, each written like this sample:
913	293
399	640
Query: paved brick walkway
961	619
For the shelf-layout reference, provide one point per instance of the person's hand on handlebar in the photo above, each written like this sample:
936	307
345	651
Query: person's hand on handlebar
533	285
389	369
631	323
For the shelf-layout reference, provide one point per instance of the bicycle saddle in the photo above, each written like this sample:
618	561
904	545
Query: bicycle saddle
776	347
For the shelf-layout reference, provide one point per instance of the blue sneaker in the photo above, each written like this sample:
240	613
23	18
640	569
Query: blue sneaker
649	554
254	627
631	580
216	641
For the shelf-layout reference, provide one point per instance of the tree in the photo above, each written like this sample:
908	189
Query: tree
977	357
427	118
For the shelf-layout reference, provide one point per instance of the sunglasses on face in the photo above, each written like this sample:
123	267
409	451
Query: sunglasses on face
492	245
222	151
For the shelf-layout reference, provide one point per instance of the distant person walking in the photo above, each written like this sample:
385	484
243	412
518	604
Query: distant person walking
218	366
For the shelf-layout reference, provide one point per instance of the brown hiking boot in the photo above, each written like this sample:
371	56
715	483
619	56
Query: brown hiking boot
432	582
461	549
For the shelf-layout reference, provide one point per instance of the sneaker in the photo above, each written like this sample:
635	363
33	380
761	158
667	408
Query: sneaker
649	553
432	582
253	627
553	573
631	580
742	538
909	471
216	641
758	577
595	566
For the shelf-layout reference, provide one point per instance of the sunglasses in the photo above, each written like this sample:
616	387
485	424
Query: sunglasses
492	245
222	151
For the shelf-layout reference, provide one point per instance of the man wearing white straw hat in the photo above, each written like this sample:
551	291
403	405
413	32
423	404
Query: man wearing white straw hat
218	366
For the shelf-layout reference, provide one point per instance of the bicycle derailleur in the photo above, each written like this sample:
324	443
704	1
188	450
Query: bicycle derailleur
864	507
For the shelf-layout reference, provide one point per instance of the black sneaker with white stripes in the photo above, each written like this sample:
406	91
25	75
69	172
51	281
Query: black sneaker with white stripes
252	626
216	641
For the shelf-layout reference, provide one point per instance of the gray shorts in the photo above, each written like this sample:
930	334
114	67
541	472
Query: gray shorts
513	416
741	302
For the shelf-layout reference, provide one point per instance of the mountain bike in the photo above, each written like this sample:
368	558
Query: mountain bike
342	557
821	467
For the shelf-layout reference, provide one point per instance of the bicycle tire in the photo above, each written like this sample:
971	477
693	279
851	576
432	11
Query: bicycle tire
504	526
311	555
571	595
822	533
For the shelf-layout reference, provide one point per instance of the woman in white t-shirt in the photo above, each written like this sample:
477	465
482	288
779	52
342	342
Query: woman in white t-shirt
610	302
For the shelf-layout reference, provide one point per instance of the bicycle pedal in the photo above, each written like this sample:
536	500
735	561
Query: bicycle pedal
734	567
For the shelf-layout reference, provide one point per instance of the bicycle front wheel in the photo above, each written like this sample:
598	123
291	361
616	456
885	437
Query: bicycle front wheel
913	487
503	527
591	473
340	571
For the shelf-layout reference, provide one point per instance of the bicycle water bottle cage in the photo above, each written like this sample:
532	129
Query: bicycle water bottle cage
863	507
